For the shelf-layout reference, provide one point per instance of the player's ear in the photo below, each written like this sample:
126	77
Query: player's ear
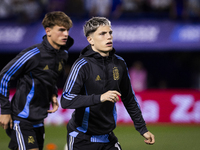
90	40
48	31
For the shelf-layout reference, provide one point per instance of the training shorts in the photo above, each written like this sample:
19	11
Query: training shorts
26	136
79	141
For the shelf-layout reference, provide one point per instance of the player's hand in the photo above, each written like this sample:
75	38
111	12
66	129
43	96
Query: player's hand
55	104
150	139
6	121
112	96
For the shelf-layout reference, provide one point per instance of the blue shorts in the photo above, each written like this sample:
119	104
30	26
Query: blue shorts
26	135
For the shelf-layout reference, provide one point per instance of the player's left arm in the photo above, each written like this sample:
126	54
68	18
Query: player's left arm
130	101
55	104
150	138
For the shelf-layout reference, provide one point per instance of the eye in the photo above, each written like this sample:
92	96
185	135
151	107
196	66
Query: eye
61	30
102	33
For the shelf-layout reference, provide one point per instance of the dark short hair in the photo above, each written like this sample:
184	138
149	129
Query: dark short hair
57	18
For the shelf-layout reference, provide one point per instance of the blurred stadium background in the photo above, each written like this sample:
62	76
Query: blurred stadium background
160	42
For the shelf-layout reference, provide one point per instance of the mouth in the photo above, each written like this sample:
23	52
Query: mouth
109	44
64	40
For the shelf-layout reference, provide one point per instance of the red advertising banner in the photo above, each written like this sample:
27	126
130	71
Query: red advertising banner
157	106
170	106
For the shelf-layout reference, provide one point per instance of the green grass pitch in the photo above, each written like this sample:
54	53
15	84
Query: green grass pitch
168	137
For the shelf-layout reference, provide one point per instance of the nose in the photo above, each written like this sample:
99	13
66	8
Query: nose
109	36
66	33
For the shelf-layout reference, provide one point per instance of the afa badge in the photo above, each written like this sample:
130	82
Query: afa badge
115	73
31	140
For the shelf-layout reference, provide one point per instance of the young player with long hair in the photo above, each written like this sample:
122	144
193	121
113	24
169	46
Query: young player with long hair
36	70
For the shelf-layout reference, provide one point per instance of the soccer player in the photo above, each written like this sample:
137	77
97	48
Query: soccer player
96	81
36	69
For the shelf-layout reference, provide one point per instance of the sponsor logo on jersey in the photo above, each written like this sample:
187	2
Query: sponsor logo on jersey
46	67
98	78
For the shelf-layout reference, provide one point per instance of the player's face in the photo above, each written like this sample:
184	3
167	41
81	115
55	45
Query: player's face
101	40
57	36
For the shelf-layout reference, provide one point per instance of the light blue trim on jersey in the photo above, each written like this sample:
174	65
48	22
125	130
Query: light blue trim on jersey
118	57
100	138
115	114
84	126
25	112
74	133
16	66
72	78
66	51
38	125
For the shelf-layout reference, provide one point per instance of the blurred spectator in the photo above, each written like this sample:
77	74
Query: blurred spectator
75	8
27	11
56	5
131	5
104	8
194	9
5	9
138	76
179	9
87	6
100	8
116	9
33	10
162	84
161	6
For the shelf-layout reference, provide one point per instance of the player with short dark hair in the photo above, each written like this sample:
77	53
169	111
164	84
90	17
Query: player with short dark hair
36	70
97	80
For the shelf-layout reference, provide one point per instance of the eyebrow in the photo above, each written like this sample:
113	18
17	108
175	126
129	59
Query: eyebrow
102	32
63	29
110	31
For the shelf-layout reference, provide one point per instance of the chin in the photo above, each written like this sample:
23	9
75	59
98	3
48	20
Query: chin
62	44
110	49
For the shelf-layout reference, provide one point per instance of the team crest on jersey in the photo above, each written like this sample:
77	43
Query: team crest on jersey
31	140
98	78
115	73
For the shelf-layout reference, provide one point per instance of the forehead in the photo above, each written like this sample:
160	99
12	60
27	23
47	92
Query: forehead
103	29
59	27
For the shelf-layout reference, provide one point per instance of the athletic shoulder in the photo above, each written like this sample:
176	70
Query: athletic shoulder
32	50
81	61
119	57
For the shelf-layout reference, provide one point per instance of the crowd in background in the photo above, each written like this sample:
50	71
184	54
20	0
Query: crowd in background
27	11
30	11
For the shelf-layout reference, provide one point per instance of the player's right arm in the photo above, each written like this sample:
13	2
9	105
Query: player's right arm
72	96
21	64
112	96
